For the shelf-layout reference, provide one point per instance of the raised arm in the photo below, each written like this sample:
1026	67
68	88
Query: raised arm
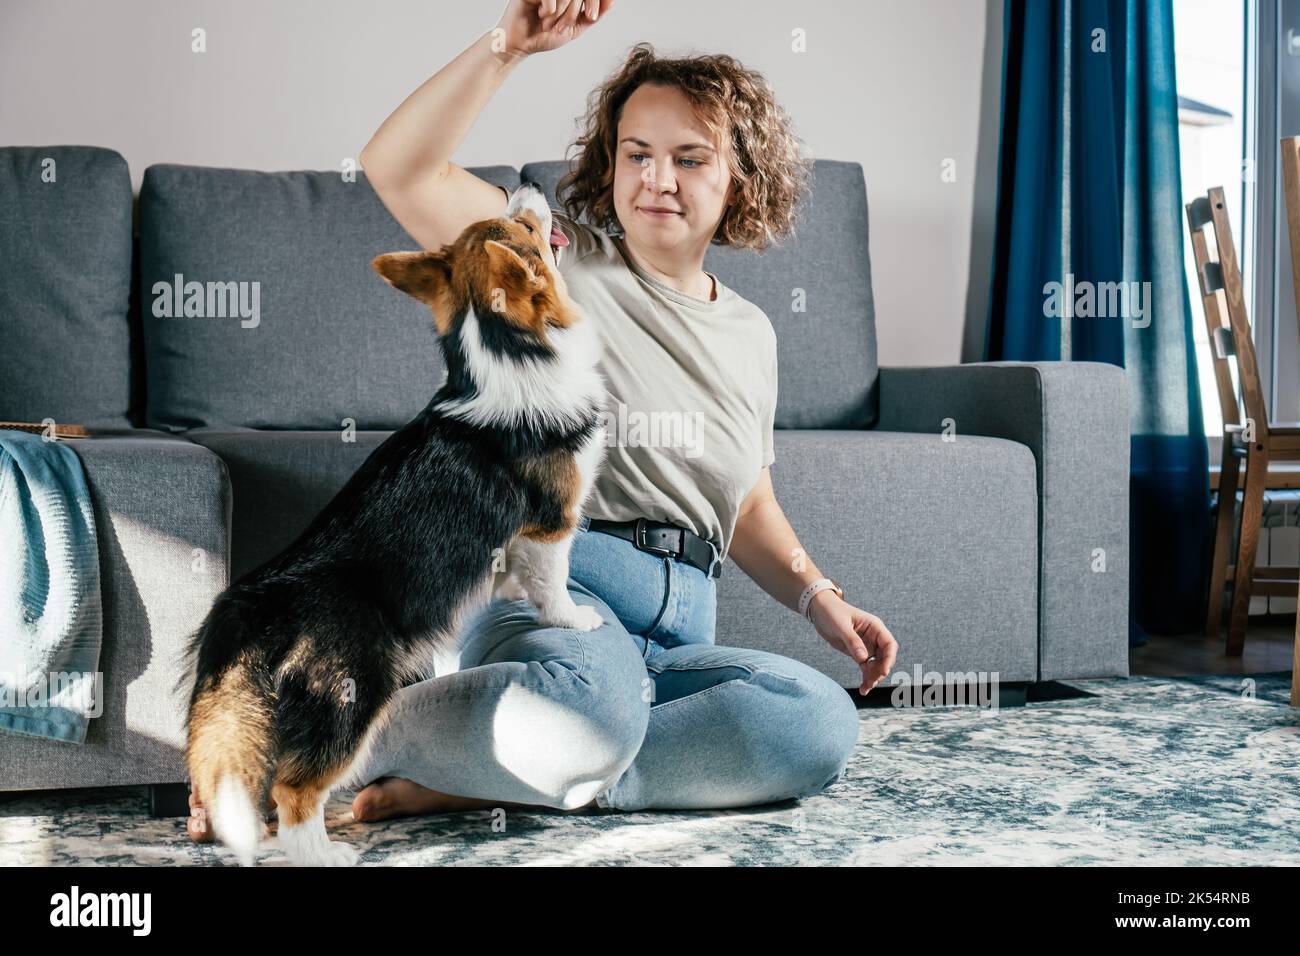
408	159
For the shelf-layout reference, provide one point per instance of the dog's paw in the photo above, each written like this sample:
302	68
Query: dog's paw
580	617
339	854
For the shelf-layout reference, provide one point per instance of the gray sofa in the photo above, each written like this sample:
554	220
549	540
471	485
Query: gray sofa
219	436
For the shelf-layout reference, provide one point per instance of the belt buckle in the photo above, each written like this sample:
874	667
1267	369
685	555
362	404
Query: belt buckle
639	538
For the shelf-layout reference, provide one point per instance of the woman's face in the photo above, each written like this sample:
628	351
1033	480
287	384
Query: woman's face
665	158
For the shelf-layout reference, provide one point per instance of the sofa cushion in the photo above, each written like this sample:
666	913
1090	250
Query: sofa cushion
162	519
826	351
281	480
319	337
940	539
65	245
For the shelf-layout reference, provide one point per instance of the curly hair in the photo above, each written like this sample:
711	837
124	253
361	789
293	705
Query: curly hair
737	106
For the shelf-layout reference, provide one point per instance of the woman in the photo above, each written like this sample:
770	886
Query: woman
644	712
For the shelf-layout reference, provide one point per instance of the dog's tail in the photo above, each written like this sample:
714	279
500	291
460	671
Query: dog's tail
231	746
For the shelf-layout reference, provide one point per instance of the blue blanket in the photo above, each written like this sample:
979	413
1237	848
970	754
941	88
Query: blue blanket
51	618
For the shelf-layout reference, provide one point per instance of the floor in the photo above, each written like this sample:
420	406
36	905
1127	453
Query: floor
1270	640
1148	770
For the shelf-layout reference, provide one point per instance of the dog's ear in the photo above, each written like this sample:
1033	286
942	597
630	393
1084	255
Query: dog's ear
510	271
422	275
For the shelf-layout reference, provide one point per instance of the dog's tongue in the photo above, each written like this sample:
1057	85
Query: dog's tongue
558	239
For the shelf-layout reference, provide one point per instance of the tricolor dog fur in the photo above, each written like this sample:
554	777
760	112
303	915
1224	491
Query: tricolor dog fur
296	662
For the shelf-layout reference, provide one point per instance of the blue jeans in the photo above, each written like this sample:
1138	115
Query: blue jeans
644	712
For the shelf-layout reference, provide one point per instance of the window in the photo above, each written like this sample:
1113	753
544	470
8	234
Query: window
1238	76
1209	46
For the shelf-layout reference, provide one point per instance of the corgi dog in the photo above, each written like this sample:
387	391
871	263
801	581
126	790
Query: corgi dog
296	662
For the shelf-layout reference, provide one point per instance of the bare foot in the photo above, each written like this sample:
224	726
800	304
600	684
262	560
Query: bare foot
397	797
197	824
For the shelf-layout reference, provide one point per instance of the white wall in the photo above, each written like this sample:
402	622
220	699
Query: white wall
897	85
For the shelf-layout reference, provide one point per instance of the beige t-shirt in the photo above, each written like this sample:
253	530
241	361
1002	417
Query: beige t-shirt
692	390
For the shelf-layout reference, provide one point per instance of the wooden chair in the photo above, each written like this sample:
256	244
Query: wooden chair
1247	434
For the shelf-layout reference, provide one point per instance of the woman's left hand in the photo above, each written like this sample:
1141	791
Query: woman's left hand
855	632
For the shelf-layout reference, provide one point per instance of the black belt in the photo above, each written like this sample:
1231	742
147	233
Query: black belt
656	537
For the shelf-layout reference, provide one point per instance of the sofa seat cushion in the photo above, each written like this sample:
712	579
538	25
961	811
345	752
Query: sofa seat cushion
162	519
939	539
281	481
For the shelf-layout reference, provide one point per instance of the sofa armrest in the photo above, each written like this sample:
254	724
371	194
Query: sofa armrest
1074	417
162	508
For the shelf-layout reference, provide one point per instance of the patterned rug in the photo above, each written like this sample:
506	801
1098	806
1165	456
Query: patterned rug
1140	771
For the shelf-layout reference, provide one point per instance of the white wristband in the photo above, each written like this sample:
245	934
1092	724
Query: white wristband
816	587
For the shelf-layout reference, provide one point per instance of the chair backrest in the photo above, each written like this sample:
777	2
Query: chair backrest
1221	293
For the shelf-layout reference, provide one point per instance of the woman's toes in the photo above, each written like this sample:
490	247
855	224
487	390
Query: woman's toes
197	826
373	802
366	803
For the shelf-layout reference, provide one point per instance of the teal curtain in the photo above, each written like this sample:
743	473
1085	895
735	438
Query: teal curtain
1088	196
